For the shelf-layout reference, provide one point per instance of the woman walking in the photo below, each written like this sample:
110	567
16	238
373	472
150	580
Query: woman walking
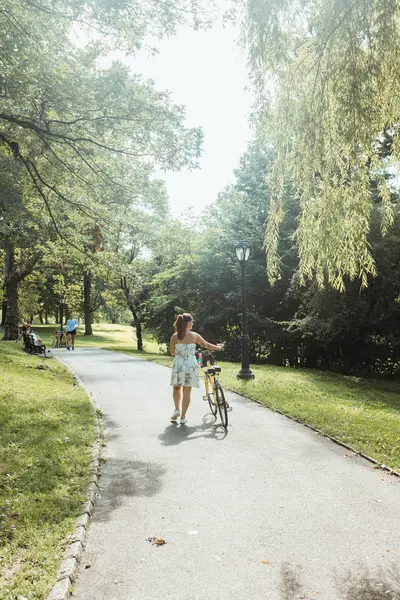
185	372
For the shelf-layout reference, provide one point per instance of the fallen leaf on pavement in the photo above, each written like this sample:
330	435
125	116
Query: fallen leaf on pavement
265	562
156	541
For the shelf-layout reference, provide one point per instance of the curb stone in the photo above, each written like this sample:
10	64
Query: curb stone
61	590
68	569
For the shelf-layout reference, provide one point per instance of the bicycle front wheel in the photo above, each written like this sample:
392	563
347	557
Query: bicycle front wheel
221	402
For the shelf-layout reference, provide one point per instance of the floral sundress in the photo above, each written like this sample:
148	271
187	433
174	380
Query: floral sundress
185	370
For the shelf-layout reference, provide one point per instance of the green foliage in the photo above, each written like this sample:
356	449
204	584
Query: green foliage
72	164
77	149
290	324
326	77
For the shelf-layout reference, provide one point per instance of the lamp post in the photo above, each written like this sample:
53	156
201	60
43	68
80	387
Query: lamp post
62	303
243	255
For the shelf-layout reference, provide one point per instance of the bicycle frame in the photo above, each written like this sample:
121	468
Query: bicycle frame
216	400
209	378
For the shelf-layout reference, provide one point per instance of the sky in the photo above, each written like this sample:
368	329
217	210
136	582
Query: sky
206	72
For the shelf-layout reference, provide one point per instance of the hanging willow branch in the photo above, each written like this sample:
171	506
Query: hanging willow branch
331	68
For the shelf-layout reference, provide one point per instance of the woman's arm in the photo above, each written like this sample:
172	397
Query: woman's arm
172	345
202	342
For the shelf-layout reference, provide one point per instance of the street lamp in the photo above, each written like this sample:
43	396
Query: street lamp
62	303
243	255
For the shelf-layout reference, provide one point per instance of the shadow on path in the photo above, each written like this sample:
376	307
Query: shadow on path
366	586
358	586
126	478
175	434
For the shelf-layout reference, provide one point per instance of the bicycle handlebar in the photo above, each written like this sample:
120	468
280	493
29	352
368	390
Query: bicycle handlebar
207	355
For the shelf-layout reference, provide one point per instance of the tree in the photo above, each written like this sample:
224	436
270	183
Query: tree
326	76
21	238
68	144
195	265
55	134
138	231
81	155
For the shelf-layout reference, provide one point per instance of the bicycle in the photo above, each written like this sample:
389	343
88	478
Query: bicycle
214	391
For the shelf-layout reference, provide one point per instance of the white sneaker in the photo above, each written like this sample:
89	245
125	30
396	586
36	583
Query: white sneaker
175	415
183	421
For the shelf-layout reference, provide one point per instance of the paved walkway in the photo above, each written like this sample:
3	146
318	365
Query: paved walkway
270	511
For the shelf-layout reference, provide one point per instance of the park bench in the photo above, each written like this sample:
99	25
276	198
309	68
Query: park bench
33	344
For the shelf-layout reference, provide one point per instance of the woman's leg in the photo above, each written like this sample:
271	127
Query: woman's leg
177	397
185	400
69	340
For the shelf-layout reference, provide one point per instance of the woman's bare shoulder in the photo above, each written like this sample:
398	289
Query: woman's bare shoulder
174	337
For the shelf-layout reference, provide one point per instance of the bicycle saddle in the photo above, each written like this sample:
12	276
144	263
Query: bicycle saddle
214	369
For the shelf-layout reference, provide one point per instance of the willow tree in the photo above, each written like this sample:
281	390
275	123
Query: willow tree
326	74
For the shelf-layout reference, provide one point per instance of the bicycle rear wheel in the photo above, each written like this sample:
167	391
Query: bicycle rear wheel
221	402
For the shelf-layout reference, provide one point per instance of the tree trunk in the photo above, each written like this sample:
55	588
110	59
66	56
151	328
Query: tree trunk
11	325
4	303
46	316
11	329
136	317
87	297
3	312
139	336
138	325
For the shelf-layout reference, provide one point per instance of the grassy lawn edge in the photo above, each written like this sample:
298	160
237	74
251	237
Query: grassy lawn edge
49	452
360	414
244	389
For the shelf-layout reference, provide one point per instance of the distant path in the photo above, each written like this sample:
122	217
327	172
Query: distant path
272	511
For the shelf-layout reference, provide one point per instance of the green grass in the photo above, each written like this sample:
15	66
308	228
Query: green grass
362	413
105	336
46	435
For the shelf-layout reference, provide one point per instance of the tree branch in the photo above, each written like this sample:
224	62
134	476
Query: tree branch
26	124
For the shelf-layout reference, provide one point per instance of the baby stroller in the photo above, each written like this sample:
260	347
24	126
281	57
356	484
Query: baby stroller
60	338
